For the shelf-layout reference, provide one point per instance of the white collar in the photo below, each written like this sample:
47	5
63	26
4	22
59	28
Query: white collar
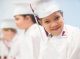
63	33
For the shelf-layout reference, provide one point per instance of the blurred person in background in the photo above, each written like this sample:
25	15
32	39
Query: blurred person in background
33	32
8	34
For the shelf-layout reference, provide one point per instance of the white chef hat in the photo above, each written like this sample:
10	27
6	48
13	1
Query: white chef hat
22	8
8	23
44	9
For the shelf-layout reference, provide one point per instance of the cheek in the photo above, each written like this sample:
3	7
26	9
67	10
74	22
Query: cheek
6	33
60	22
19	23
46	26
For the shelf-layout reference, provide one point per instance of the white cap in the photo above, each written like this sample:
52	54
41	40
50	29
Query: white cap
22	8
44	9
8	23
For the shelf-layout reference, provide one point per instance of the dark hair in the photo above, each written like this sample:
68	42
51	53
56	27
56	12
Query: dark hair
61	12
11	29
31	16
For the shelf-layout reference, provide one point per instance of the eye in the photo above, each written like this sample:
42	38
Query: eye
5	29
47	22
16	19
56	18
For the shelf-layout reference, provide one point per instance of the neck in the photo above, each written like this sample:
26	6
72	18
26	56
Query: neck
29	26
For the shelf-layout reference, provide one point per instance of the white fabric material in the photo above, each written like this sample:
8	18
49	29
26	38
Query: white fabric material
16	47
5	47
37	34
22	8
29	46
44	9
62	47
8	23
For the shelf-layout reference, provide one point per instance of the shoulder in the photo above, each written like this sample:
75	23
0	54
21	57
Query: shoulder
19	37
36	29
72	29
73	32
37	32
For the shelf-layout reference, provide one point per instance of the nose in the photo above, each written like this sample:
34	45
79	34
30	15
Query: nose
53	24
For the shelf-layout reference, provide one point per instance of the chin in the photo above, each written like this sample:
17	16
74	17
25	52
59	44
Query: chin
57	32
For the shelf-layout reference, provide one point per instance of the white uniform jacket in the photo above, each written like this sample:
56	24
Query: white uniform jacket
64	46
28	47
5	47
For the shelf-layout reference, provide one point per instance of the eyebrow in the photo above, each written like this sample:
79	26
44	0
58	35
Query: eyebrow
46	19
57	15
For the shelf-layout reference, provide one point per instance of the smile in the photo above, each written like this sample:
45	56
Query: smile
56	28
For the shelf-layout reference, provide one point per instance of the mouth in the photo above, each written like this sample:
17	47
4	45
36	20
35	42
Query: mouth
56	28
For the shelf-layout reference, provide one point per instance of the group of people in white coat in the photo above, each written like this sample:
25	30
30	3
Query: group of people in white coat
45	35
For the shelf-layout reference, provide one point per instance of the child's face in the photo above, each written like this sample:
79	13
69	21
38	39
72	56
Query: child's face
53	23
22	22
8	34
